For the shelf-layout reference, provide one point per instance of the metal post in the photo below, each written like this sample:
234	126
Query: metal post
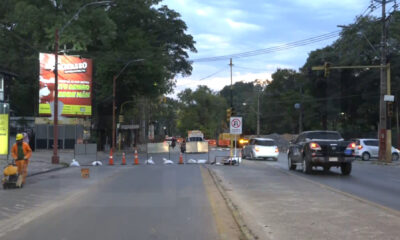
397	119
301	111
113	115
55	158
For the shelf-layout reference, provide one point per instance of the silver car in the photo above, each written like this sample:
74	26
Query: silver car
258	148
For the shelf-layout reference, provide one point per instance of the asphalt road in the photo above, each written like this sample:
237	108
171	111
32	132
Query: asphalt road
122	202
376	183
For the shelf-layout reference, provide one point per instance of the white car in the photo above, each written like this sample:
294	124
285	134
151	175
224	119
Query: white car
265	148
367	148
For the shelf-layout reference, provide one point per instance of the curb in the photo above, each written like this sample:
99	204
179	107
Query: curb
247	233
46	171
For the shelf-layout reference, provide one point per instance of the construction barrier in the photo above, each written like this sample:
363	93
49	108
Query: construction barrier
224	143
161	148
212	142
196	147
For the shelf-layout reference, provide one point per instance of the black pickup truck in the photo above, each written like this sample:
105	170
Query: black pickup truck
321	148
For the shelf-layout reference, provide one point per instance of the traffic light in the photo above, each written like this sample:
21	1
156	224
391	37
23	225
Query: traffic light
326	68
390	109
228	114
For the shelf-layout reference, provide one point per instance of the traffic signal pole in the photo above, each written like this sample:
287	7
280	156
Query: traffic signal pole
385	132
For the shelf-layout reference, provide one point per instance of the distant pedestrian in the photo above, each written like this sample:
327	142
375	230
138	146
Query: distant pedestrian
26	137
183	146
21	152
173	142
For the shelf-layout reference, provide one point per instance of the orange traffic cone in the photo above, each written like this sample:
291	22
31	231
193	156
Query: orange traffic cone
136	158
123	159
110	158
180	159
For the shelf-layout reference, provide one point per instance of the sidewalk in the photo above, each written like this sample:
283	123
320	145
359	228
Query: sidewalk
277	205
41	160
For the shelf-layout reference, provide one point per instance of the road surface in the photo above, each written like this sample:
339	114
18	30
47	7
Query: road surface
121	202
376	183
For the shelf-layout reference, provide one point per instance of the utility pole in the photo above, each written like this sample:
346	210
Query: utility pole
231	145
385	136
55	159
382	104
231	65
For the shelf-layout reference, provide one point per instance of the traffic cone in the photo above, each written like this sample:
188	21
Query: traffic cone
110	158
123	159
180	159
136	158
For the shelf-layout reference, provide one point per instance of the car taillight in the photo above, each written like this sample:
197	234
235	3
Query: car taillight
315	146
257	149
351	146
276	149
359	147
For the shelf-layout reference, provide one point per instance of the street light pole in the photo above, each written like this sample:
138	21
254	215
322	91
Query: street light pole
113	115
114	102
55	159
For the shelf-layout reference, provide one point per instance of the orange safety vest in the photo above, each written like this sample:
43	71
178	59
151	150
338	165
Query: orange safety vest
25	147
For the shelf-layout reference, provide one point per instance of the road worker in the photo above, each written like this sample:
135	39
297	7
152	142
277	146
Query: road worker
21	152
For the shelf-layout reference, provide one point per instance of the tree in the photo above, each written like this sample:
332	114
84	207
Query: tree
244	103
202	110
130	30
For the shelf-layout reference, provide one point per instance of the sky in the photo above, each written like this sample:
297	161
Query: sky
224	27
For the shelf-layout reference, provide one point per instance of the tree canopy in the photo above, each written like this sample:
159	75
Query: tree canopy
111	36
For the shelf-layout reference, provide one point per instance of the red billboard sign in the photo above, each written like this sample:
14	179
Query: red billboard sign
74	85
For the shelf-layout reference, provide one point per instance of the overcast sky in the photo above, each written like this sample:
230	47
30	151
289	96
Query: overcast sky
223	27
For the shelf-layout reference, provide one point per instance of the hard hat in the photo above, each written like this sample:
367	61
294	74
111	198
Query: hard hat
19	137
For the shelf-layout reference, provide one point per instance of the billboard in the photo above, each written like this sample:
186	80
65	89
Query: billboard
74	85
4	134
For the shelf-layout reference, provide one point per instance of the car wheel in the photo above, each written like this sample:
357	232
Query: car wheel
365	156
395	156
306	166
345	168
290	163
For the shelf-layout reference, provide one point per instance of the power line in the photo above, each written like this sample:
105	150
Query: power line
212	74
286	46
253	69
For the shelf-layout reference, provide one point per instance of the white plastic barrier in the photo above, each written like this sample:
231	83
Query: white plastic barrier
157	147
196	147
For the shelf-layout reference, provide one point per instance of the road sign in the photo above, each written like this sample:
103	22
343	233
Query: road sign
236	125
4	131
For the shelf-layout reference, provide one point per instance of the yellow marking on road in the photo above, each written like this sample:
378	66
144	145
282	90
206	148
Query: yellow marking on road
226	225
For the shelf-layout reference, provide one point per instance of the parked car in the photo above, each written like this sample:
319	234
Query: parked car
367	148
264	148
321	148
